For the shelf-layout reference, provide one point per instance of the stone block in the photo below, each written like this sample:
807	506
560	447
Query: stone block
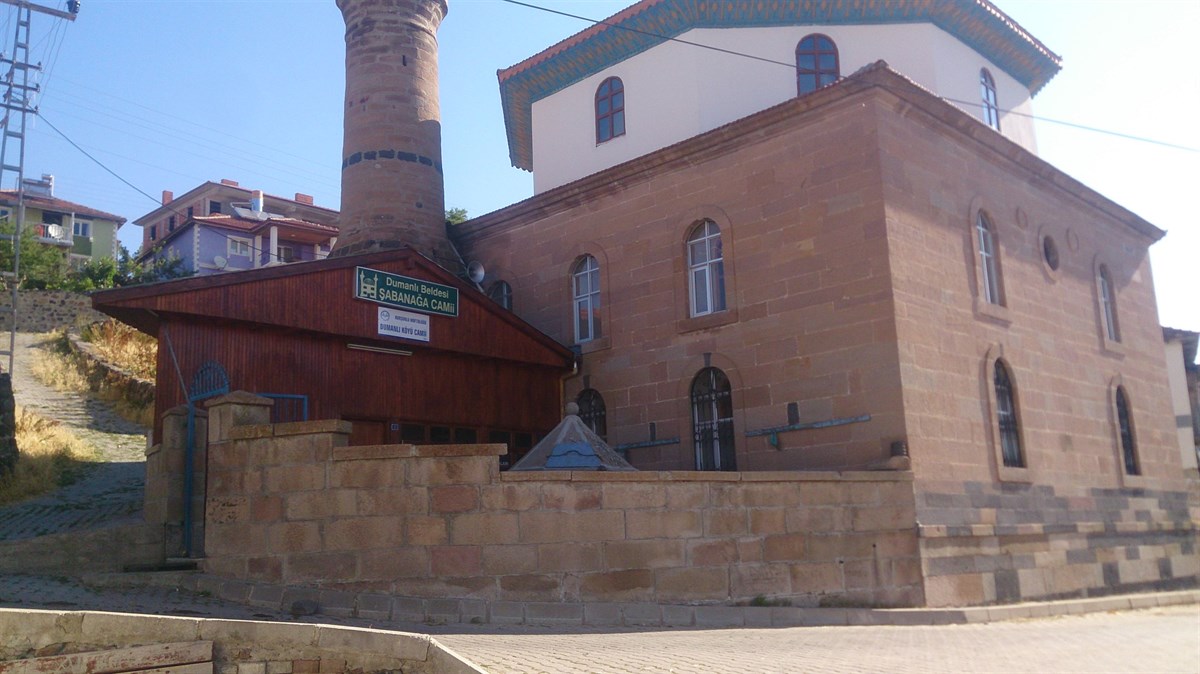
503	560
293	478
678	616
644	554
602	614
785	547
704	552
539	613
725	522
506	612
569	557
484	529
767	521
571	496
470	470
553	526
720	616
709	583
288	537
751	580
536	587
663	524
510	497
362	533
321	566
629	585
456	560
407	609
641	614
373	606
819	578
633	496
453	499
392	563
366	474
426	531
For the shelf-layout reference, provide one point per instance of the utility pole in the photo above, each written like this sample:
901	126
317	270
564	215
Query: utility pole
17	105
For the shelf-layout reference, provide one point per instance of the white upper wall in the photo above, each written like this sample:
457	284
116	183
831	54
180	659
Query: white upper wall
675	91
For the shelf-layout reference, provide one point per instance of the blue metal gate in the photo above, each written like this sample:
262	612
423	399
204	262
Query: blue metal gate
208	382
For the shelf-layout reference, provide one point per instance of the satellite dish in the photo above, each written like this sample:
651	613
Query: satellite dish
475	271
220	262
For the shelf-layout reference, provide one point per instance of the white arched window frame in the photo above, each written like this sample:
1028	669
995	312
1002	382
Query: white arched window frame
987	90
1108	305
501	293
706	269
585	286
989	269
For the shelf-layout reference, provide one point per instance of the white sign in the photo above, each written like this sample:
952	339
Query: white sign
403	324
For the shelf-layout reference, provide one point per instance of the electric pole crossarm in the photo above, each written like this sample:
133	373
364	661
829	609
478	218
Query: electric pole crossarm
39	8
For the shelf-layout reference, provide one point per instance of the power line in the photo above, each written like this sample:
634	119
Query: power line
272	254
732	52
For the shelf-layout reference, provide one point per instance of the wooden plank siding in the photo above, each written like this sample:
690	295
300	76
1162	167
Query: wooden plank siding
286	330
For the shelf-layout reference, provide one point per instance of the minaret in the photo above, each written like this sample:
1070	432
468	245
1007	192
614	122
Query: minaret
392	193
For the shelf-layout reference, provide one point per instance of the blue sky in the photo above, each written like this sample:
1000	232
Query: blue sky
169	93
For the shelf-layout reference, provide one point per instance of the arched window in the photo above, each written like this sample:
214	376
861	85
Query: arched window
987	90
706	269
1125	426
989	269
592	412
712	420
501	293
1006	417
585	283
816	63
610	109
1108	305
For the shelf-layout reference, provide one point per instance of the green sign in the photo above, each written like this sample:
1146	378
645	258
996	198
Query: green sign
405	292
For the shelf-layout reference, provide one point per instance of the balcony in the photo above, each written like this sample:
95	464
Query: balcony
54	235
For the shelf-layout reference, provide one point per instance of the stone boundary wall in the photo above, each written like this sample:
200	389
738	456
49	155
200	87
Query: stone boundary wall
48	310
240	647
381	607
103	374
1018	542
73	552
291	504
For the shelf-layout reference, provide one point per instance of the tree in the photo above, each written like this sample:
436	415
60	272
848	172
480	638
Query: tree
42	266
455	216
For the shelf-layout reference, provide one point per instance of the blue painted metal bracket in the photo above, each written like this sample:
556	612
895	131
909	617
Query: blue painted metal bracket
775	431
649	443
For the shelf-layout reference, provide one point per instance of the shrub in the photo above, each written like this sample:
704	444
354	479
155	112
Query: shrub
51	456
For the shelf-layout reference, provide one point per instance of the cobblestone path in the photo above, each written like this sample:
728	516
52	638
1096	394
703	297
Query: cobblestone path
110	491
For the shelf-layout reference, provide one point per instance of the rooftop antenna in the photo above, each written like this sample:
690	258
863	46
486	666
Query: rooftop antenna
17	105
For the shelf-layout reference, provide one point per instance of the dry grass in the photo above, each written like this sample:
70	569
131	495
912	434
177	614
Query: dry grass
59	369
125	347
50	457
56	369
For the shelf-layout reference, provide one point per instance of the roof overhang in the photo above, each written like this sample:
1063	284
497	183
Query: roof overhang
876	78
977	23
268	297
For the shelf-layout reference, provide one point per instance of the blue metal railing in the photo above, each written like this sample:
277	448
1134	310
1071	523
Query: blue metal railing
288	407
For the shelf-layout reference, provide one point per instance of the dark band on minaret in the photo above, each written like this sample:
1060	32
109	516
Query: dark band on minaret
392	192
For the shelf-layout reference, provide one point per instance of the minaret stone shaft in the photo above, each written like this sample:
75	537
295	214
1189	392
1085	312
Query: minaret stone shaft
392	192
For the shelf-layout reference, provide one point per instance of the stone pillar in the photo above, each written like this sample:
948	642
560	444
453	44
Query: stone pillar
392	191
236	409
165	478
8	426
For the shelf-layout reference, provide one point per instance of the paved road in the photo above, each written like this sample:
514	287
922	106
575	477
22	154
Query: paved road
110	491
1163	640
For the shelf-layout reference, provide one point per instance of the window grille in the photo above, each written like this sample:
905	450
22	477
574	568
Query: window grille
1006	413
816	63
592	412
712	421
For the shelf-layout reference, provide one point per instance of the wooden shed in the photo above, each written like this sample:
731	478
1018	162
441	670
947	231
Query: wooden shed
389	341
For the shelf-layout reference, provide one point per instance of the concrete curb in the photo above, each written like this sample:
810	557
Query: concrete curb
242	645
384	607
